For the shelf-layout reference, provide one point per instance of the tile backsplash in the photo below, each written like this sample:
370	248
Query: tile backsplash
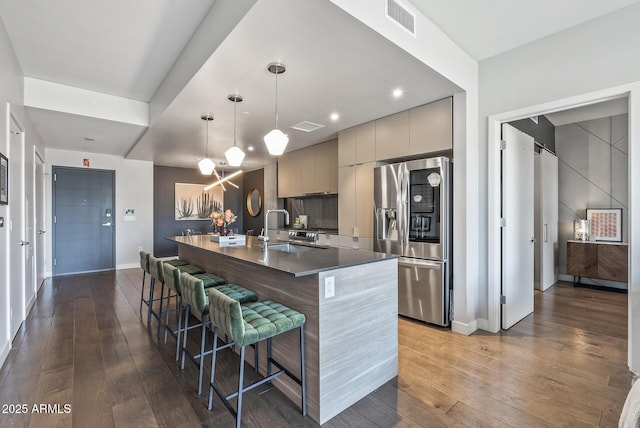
322	211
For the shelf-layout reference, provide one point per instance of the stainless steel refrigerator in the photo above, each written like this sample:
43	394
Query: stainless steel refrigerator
412	218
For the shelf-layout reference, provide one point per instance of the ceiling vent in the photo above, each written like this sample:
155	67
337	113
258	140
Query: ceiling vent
306	126
401	16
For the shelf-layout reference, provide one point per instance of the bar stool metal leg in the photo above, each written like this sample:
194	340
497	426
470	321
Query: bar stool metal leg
160	310
152	285
144	274
184	334
240	388
303	383
202	340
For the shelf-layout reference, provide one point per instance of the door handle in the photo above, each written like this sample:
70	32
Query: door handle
533	240
107	224
23	243
40	232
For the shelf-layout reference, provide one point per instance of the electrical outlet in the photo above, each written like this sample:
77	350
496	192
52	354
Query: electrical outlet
329	287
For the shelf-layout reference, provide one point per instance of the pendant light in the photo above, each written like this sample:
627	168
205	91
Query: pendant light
206	165
276	140
234	155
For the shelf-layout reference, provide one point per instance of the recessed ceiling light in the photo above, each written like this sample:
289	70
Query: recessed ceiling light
250	148
335	116
397	93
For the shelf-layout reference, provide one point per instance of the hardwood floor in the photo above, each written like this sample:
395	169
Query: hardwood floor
84	345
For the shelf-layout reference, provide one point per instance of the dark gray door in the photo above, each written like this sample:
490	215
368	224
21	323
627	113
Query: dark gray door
84	220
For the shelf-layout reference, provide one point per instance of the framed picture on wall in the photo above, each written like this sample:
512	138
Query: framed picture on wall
606	223
192	202
4	180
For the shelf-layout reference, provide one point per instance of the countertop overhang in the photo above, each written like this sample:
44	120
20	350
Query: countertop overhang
308	262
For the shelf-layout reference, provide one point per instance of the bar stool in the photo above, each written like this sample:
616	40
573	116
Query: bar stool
248	325
144	264
172	280
194	296
157	274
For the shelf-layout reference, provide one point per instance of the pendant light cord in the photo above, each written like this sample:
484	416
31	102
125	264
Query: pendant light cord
276	127
206	147
235	118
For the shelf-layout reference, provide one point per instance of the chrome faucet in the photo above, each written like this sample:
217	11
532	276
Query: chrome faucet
265	237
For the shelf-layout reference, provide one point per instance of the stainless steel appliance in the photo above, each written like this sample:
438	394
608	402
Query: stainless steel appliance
304	236
412	210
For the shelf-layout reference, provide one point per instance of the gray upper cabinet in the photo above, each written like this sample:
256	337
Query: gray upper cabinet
357	145
347	147
431	127
392	136
365	142
313	169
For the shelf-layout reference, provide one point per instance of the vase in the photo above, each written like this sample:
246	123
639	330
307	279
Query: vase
224	230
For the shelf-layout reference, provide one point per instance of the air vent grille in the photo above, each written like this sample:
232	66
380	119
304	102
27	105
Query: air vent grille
401	16
306	126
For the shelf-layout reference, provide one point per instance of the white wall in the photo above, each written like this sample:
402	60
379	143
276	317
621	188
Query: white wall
596	56
11	100
134	189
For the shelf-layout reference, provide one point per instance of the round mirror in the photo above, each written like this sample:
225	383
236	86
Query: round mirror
254	202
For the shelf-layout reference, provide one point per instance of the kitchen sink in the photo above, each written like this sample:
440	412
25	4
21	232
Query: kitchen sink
287	247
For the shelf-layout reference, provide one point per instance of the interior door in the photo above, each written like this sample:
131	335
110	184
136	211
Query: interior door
549	219
40	261
517	233
84	220
17	237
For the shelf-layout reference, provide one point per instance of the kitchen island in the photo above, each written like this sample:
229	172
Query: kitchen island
350	301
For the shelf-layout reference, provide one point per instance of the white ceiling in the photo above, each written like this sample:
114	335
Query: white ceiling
489	27
334	64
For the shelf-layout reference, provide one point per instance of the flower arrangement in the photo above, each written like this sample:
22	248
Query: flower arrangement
222	220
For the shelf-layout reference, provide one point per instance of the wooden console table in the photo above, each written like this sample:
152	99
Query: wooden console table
599	260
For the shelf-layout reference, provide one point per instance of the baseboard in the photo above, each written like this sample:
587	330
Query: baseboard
5	353
563	277
127	266
31	303
483	324
464	328
48	274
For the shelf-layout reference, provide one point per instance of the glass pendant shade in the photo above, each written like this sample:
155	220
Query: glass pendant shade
206	166
234	156
276	142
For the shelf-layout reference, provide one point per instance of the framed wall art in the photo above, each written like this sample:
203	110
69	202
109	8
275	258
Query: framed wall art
192	202
4	180
606	224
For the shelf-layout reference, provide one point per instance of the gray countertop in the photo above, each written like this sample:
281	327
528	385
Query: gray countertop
308	261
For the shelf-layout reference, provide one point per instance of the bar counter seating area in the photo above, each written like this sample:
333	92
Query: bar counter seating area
326	318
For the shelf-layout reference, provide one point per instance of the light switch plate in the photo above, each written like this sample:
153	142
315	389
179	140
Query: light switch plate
329	287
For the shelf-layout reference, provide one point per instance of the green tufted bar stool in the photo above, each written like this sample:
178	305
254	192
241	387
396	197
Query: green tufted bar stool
144	264
157	274
194	296
248	325
172	280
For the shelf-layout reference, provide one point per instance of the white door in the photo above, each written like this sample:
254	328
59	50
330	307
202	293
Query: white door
517	233
17	237
40	261
549	219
